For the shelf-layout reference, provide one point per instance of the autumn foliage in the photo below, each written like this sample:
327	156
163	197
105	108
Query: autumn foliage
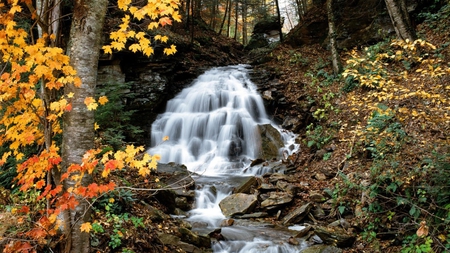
31	109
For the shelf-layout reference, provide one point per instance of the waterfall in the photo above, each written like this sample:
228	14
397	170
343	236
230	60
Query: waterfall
213	129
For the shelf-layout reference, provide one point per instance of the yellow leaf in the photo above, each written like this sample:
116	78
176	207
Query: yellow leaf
86	227
90	103
135	47
171	50
152	25
103	100
107	49
70	95
96	126
165	138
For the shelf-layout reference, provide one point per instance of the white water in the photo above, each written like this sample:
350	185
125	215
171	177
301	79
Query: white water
213	129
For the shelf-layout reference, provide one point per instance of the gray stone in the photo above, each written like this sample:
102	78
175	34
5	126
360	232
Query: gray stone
276	199
239	203
297	215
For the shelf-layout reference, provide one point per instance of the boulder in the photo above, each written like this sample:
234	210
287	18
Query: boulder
239	203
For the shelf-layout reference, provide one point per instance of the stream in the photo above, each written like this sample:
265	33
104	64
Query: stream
213	129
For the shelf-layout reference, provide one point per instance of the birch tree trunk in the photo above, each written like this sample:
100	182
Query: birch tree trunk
336	59
78	136
400	19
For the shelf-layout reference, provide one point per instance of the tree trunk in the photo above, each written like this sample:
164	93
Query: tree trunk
277	4
244	22
400	19
224	17
236	19
336	59
229	20
78	136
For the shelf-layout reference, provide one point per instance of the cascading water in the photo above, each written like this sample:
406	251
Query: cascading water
213	129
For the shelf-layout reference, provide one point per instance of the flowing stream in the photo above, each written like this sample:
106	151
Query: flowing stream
213	129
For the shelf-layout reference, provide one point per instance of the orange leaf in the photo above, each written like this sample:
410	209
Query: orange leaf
86	227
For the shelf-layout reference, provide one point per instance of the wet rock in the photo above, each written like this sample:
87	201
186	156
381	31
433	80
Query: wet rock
321	249
335	236
293	241
239	203
276	199
297	215
271	142
227	223
247	185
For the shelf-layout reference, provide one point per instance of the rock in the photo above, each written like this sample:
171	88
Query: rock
321	249
320	176
293	241
303	232
227	223
317	197
276	199
247	186
335	236
189	236
267	187
239	203
271	142
288	188
178	187
297	215
155	214
275	177
318	212
253	215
